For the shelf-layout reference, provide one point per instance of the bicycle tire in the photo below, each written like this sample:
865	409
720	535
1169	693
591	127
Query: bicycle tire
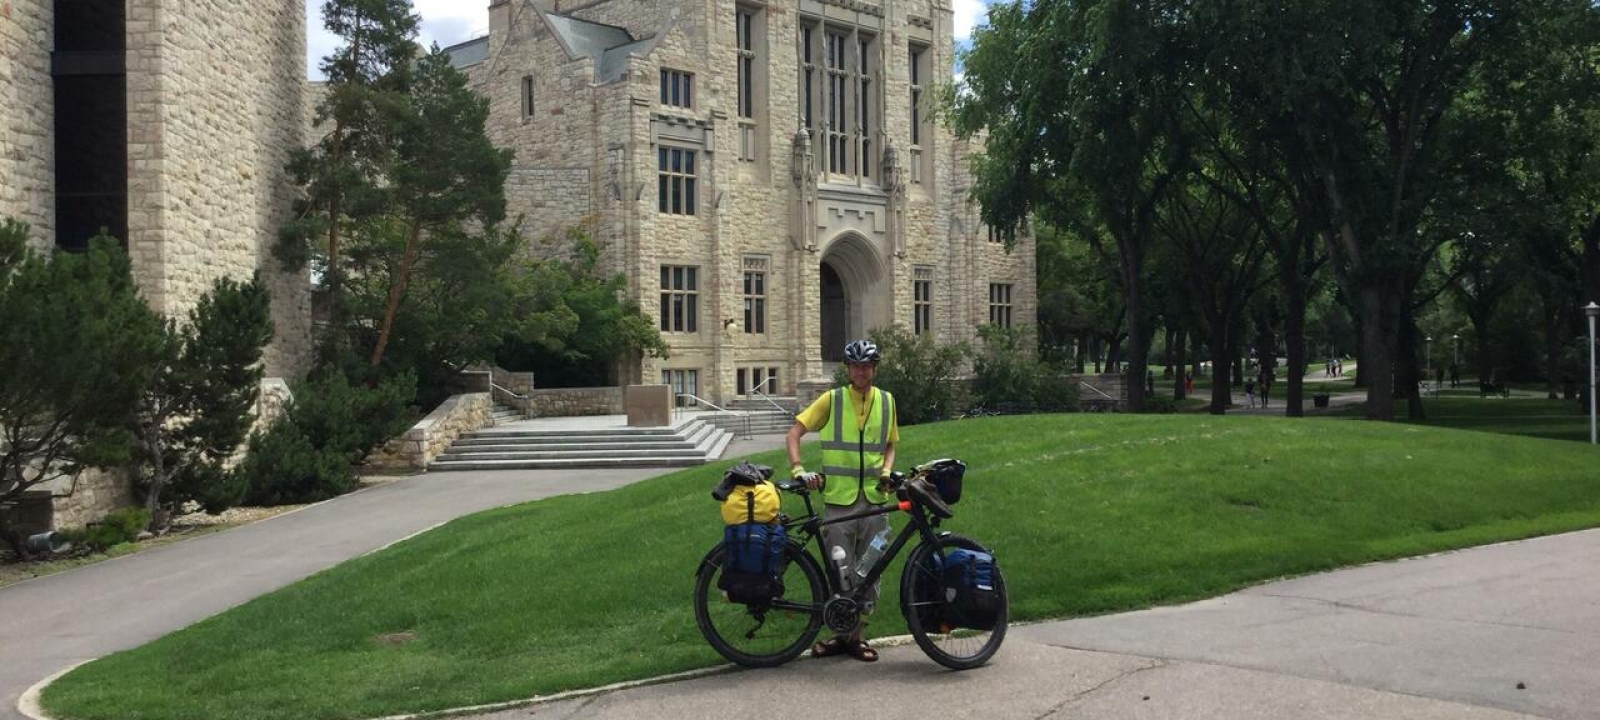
962	649
722	622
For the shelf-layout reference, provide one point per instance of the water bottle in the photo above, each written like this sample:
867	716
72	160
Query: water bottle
880	542
838	559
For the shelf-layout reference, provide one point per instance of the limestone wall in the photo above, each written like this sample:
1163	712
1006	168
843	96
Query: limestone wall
90	496
27	134
432	435
577	402
216	94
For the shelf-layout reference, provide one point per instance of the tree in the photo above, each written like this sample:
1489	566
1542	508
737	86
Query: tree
578	322
1364	92
342	173
1078	98
448	175
77	349
197	411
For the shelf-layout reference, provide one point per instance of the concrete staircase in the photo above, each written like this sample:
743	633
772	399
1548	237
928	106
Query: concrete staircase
503	414
517	447
763	418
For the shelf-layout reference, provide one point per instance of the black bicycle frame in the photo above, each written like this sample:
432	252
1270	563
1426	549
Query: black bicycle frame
813	524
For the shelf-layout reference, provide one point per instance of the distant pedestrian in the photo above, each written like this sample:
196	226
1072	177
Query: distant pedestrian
1266	386
1250	393
1188	384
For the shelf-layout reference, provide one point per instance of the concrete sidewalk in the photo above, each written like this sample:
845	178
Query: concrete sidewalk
1449	636
52	622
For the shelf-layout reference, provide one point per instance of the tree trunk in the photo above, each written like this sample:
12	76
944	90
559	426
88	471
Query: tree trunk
1166	360
397	290
1406	371
1195	352
158	477
1375	366
1552	349
1138	352
1221	360
1180	359
1081	362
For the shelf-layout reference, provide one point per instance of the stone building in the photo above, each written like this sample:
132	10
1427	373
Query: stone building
167	122
768	175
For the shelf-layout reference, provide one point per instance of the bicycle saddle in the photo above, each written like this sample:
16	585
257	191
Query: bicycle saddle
926	495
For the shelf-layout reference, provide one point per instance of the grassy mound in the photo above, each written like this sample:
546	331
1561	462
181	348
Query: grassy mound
1087	513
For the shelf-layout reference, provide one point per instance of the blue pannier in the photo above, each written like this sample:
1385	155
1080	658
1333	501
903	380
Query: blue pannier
971	600
752	570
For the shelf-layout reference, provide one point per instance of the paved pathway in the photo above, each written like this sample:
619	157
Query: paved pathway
55	621
1447	637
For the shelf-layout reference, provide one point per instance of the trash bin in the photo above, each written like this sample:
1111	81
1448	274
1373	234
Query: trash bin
1320	401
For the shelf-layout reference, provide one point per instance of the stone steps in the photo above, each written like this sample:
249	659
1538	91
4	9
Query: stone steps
519	447
502	414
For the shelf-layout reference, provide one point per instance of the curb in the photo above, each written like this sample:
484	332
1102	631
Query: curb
29	705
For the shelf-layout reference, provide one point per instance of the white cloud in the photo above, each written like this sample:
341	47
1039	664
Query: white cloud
967	14
445	22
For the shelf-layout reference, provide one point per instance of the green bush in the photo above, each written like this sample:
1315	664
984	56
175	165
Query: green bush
1007	372
118	527
919	372
310	454
352	419
283	467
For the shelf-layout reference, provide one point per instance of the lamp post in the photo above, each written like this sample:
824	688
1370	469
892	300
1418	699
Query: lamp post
1427	344
1591	310
1456	363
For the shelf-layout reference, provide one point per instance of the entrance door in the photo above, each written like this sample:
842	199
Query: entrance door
834	309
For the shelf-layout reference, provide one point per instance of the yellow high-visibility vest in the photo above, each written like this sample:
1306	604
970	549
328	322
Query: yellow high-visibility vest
852	452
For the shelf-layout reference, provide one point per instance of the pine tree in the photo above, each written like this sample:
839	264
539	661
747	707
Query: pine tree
198	411
342	173
77	348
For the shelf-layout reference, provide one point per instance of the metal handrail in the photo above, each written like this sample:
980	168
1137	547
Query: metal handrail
1097	391
496	386
757	391
678	411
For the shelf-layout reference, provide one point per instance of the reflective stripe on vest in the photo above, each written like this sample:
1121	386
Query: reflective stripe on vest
851	452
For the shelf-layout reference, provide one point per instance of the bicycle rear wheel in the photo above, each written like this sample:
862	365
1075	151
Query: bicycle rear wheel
922	601
761	636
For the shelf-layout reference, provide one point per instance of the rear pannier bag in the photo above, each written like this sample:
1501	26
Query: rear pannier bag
753	567
969	593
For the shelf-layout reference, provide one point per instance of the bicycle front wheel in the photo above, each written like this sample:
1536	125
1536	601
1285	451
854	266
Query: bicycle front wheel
922	600
761	636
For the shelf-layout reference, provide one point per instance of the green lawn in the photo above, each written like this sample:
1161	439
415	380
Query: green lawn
1087	513
1533	417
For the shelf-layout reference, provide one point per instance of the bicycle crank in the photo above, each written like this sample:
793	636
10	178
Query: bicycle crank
841	615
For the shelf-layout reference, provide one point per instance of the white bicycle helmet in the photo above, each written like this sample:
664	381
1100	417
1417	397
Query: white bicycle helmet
861	351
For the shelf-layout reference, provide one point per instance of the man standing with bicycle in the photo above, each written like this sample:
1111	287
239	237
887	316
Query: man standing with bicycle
859	429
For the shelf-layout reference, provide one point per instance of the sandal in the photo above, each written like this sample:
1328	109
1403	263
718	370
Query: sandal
863	652
830	647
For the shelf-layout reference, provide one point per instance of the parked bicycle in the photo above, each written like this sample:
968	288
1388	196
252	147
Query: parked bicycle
772	632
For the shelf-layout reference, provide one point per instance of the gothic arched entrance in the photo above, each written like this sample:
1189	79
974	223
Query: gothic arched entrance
851	303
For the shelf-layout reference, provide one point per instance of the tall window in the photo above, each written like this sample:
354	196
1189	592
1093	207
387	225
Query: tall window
527	96
808	72
837	101
922	300
919	73
755	302
675	189
683	384
677	88
1000	304
750	44
680	298
863	101
744	22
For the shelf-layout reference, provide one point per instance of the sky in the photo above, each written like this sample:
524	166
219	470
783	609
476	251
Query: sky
448	22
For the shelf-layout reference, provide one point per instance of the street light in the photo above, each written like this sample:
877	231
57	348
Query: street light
1427	344
1591	310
